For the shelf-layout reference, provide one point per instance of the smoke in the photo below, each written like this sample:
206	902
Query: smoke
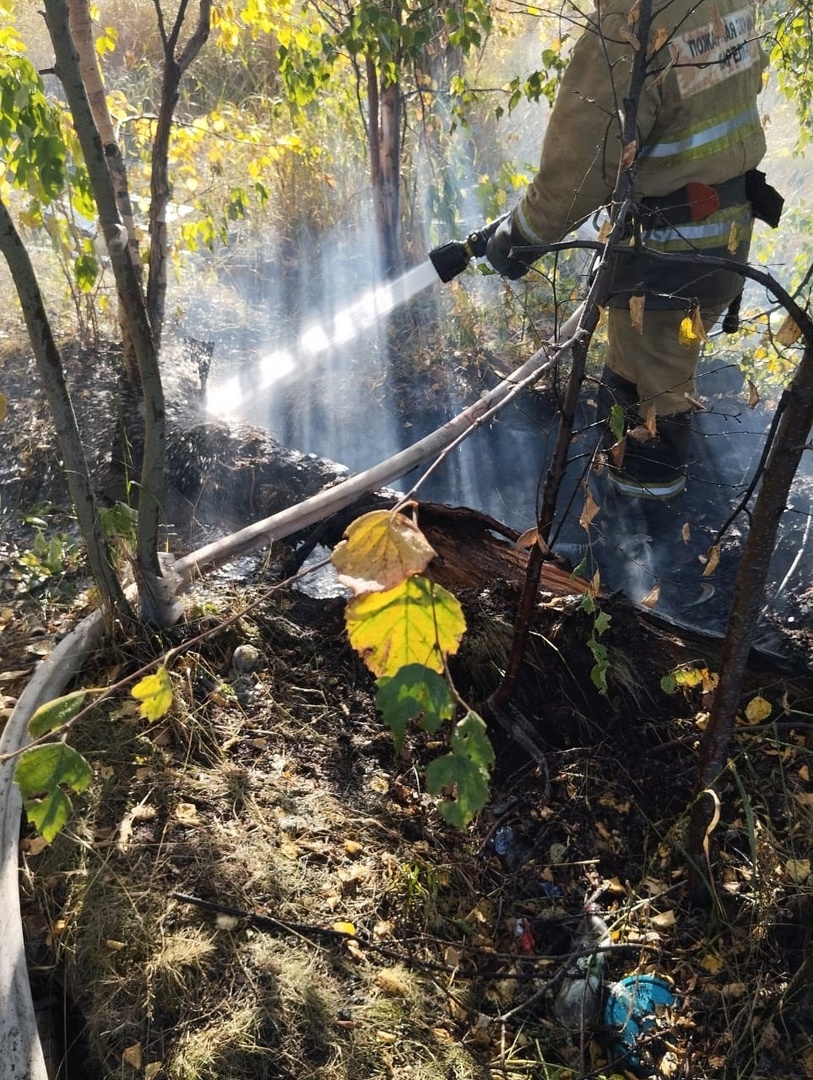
302	350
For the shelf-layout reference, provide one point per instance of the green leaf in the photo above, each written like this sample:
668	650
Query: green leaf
417	622
155	694
617	422
86	270
49	815
467	769
54	714
41	774
598	673
414	691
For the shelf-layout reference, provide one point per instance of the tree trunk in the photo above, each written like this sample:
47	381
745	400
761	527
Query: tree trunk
391	178
384	135
790	442
82	33
49	369
597	296
160	193
160	185
130	297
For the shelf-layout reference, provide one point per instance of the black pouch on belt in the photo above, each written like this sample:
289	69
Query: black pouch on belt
766	202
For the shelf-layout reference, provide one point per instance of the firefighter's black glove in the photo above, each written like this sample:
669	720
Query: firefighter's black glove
498	250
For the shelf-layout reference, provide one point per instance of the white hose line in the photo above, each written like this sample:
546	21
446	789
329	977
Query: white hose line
21	1056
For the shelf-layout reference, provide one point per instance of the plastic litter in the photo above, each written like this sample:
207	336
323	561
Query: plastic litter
510	846
635	1006
577	1001
548	891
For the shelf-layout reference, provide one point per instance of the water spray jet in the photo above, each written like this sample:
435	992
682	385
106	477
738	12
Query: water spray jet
444	263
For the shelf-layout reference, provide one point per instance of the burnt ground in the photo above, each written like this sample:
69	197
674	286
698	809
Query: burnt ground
342	930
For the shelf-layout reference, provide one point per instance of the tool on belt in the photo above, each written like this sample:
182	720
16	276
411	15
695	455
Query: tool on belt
695	201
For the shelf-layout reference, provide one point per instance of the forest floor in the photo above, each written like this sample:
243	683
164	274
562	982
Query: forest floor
258	885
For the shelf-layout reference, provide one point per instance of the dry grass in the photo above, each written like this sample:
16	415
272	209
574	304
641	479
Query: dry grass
291	804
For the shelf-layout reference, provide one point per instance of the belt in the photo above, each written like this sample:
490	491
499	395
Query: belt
693	202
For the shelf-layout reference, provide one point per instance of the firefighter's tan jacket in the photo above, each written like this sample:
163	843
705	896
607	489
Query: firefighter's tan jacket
697	119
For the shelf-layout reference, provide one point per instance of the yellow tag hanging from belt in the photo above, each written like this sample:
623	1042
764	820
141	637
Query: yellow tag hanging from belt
691	329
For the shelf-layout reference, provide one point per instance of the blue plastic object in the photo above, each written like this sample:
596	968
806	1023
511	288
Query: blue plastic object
632	1007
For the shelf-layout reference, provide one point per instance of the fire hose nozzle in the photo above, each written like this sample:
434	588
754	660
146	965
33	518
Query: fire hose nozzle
452	258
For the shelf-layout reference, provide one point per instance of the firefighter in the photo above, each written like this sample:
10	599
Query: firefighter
697	190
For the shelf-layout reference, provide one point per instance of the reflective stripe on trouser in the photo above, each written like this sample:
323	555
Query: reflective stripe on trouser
661	369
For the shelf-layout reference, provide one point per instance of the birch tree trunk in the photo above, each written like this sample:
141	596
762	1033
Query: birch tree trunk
132	303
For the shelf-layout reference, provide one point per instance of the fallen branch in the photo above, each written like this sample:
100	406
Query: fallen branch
329	502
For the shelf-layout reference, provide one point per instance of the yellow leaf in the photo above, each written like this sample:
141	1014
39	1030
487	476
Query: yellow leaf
664	919
697	325
380	550
344	927
529	538
632	38
686	335
637	304
640	433
652	597
713	560
187	814
33	845
589	511
155	694
417	622
152	1070
798	870
710	681
3	407
132	1056
753	395
617	452
734	236
712	963
659	39
757	710
604	232
630	149
788	333
391	982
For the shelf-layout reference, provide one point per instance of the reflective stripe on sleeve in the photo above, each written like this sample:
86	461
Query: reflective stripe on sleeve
523	224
